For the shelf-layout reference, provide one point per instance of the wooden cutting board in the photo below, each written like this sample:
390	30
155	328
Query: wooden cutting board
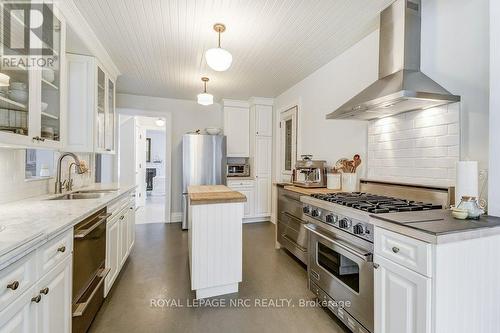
212	194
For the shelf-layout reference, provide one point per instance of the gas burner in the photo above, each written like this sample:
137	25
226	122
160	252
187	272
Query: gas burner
375	204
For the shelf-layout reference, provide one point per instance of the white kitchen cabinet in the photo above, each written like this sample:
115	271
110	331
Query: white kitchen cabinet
112	252
263	156
123	244
120	238
54	308
402	299
247	188
131	228
237	130
31	116
263	196
45	306
20	316
263	120
81	101
91	118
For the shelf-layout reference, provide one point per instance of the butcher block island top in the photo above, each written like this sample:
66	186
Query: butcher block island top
213	194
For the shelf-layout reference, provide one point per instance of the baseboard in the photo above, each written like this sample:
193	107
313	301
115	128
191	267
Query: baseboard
273	220
175	217
256	219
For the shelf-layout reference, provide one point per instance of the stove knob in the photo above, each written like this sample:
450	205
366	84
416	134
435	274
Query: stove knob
359	229
330	218
315	213
306	209
345	223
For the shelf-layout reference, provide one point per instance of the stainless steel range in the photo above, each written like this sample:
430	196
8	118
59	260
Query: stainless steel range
340	248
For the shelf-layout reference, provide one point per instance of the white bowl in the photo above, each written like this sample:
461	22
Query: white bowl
19	96
213	130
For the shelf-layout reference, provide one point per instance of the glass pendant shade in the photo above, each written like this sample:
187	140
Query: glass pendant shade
205	99
218	59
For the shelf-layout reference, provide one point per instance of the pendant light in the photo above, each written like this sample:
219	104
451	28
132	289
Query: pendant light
160	122
205	98
218	58
4	80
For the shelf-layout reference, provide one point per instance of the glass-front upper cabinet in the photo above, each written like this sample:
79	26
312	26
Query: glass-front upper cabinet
51	90
30	75
110	119
101	110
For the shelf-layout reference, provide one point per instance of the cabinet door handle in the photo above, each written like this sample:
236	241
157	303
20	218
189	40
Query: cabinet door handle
376	265
44	291
13	285
395	249
61	249
122	217
37	299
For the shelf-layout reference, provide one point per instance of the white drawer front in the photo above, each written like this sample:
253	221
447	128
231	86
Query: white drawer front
55	251
240	183
17	278
118	205
406	251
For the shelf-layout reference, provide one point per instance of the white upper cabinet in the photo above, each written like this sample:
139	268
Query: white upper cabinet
237	130
91	117
31	112
263	120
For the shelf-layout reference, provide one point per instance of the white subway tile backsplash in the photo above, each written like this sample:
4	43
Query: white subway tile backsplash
417	147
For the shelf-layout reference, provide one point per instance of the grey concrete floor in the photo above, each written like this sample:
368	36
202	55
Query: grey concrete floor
157	270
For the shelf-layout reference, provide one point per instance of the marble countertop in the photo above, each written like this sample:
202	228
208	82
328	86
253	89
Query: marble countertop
437	226
212	194
30	222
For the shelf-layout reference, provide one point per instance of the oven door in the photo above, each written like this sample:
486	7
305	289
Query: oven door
343	271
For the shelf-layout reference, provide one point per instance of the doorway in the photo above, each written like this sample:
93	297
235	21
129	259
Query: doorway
145	162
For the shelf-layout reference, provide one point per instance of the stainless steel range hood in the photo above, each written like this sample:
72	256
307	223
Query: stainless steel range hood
401	86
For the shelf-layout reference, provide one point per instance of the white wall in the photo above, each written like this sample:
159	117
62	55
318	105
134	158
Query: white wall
494	161
325	90
455	46
186	116
13	185
157	151
455	53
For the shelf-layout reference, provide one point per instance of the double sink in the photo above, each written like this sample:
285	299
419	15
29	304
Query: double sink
84	194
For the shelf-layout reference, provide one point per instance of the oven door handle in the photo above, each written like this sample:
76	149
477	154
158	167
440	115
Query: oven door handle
83	233
293	217
368	257
301	248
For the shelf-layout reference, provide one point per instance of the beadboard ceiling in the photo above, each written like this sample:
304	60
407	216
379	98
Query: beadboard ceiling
158	45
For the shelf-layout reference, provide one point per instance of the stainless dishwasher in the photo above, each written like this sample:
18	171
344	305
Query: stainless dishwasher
89	271
291	232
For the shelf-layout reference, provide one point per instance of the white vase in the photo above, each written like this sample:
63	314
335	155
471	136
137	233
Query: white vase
333	181
349	182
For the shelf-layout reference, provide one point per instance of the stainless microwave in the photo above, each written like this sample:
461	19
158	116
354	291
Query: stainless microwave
238	170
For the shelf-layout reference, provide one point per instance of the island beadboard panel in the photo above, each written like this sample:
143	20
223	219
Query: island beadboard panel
419	147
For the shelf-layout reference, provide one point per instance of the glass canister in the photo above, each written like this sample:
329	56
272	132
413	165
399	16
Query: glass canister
470	204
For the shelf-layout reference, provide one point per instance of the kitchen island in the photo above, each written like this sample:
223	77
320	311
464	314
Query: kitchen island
215	239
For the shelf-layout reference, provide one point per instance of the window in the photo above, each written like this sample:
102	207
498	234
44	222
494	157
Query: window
288	125
39	164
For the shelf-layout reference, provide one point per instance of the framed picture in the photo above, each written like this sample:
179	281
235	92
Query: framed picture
148	149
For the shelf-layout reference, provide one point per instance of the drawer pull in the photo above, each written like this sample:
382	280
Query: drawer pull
122	217
395	249
13	285
37	299
44	291
61	249
376	265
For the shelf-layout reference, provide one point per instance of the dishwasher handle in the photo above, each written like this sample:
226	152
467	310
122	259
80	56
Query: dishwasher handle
84	233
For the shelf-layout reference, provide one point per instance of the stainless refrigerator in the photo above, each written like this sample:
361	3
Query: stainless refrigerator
203	163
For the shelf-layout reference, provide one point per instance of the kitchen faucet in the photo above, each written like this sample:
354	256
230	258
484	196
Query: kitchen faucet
81	168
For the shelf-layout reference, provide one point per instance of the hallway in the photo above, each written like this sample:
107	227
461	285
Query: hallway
158	269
